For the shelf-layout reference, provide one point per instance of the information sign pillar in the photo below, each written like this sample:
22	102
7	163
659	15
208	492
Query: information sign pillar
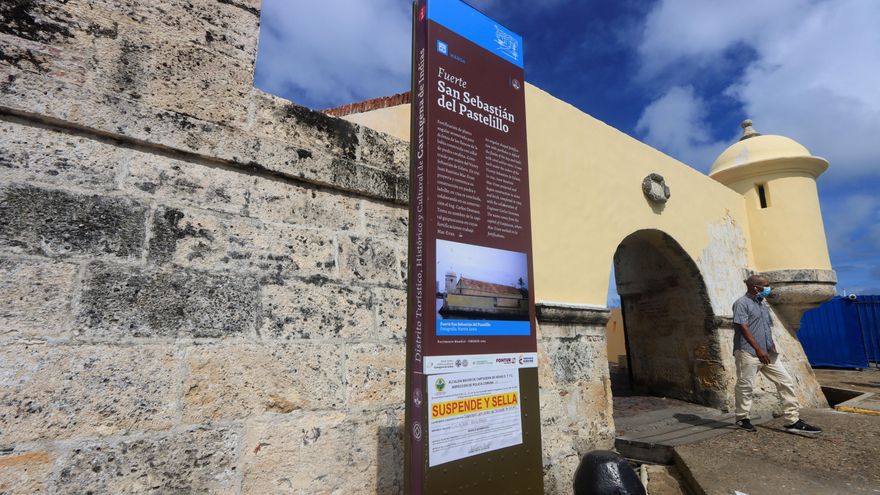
472	410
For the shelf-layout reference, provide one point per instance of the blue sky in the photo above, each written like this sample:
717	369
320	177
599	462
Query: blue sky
679	75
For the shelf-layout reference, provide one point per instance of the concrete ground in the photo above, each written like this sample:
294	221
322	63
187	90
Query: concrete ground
866	380
665	480
713	458
844	459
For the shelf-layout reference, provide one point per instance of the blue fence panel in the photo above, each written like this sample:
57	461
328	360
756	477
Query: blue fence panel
868	312
831	335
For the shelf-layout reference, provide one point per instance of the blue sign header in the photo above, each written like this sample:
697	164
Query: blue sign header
472	24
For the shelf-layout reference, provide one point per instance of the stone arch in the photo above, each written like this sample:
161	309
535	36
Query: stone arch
672	347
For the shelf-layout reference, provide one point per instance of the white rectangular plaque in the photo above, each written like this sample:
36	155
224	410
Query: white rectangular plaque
472	413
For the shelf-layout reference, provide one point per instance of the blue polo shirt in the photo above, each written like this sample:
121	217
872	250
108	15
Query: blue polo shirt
756	314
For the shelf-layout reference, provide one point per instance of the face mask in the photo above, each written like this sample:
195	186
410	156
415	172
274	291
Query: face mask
765	292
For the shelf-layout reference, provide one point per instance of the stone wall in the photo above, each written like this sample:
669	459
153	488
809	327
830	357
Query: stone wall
576	413
202	285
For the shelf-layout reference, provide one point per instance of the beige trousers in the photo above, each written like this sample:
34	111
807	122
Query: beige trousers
747	368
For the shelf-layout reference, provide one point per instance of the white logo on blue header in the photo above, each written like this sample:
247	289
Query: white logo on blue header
476	27
506	42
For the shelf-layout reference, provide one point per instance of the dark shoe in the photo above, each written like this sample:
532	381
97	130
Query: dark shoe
801	428
746	424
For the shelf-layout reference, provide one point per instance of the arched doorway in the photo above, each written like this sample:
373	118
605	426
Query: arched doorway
672	349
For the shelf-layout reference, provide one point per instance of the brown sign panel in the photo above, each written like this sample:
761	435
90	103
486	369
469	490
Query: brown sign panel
472	391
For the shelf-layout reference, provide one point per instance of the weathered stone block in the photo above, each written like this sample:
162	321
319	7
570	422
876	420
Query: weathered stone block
366	259
375	375
385	220
52	392
25	473
26	92
190	79
352	176
390	313
35	22
323	452
199	460
313	130
119	302
35	298
571	360
317	310
78	25
235	191
197	239
384	151
228	27
188	183
198	61
576	417
29	154
57	223
387	157
559	474
241	380
303	205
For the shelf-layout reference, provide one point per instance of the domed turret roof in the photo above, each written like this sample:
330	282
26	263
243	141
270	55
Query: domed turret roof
754	150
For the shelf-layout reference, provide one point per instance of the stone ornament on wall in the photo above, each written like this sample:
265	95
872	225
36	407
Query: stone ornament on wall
655	188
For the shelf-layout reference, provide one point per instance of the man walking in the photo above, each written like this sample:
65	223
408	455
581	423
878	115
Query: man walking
754	351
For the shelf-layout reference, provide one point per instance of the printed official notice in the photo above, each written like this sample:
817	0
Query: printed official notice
472	413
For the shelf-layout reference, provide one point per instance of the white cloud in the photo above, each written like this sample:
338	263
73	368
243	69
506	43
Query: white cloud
676	123
814	77
326	53
697	32
812	69
853	225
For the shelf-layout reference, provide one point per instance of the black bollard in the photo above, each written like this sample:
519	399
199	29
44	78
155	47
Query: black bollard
603	472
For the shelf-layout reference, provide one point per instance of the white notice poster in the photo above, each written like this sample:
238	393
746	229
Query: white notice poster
472	413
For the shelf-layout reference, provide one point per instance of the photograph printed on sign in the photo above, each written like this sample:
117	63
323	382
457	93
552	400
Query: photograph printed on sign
481	291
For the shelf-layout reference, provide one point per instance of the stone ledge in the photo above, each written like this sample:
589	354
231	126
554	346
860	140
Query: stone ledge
552	312
45	101
800	276
796	291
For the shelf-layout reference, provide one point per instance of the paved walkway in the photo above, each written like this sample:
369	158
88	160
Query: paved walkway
649	428
845	459
717	458
651	436
865	382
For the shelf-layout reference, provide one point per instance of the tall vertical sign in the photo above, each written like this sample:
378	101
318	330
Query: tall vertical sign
472	410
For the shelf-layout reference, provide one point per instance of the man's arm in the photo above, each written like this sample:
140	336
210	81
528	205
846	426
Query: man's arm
747	334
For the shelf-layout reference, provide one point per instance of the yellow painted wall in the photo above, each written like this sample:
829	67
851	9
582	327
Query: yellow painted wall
586	196
391	120
586	192
615	338
789	233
